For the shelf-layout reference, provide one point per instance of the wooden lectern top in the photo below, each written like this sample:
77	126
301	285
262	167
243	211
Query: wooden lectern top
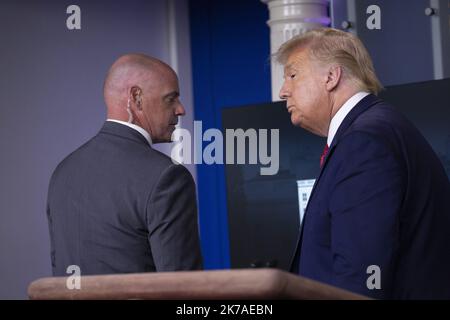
191	285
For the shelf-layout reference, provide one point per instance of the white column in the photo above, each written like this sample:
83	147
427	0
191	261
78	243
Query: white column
440	32
289	18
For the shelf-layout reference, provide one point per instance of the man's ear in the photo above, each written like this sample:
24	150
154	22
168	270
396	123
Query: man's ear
135	93
333	77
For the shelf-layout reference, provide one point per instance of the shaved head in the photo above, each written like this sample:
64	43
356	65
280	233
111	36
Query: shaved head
143	91
130	70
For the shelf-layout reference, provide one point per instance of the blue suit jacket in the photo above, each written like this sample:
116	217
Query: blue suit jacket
381	198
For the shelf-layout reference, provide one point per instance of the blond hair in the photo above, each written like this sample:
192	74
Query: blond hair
335	46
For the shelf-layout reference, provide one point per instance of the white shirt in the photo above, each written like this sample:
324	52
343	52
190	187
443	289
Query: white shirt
342	113
135	127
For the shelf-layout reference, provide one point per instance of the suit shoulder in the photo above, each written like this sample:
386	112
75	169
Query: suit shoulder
156	161
384	122
384	125
68	160
379	116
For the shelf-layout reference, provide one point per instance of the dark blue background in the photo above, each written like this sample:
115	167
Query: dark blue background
230	43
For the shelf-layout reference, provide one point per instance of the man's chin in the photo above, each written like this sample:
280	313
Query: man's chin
168	139
295	121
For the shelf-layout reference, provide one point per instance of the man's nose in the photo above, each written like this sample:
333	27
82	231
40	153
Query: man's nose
180	111
284	92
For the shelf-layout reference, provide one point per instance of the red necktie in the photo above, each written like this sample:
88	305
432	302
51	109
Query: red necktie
324	154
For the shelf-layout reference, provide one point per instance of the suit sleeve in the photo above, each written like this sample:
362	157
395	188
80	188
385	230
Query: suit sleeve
173	223
365	204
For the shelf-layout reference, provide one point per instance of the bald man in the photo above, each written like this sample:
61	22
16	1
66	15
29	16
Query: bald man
116	205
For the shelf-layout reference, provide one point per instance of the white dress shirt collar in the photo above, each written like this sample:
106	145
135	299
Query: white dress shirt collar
342	113
135	127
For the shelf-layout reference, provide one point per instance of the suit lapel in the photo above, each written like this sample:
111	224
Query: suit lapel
360	108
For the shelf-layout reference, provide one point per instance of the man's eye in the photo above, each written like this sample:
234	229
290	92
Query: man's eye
292	76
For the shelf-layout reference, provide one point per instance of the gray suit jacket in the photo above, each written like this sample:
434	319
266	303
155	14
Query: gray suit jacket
115	205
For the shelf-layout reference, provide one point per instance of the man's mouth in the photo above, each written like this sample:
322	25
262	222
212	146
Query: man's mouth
289	108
